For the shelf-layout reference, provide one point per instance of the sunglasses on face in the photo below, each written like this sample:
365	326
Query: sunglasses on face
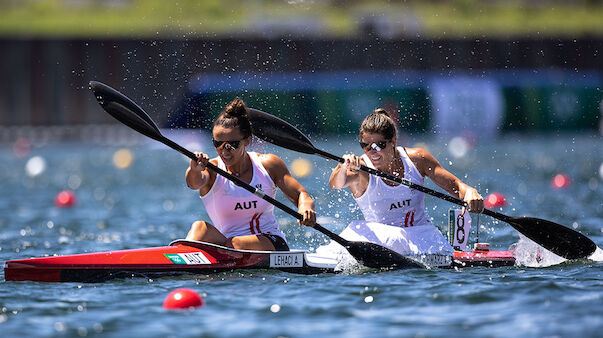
373	145
232	144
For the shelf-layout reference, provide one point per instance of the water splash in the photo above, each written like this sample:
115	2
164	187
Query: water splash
345	262
528	253
597	256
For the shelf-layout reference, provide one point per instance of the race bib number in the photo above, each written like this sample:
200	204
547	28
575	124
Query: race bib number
286	260
459	228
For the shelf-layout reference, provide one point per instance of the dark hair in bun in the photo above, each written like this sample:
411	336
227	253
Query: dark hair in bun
234	115
379	122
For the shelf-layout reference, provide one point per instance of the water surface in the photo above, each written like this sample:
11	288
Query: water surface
148	204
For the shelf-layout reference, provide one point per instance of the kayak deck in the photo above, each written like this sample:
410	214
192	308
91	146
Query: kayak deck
179	257
183	256
486	258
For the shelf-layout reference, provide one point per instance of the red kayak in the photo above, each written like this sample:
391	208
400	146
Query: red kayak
192	257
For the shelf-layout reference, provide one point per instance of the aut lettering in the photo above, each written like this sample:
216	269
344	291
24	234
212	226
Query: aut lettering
246	205
400	204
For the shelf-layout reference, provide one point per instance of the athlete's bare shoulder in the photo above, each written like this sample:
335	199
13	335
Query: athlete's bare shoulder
270	159
418	154
423	160
273	164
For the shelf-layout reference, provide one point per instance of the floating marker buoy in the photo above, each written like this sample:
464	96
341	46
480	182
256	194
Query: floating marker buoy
22	147
123	158
560	181
301	167
35	166
65	199
458	147
495	200
182	298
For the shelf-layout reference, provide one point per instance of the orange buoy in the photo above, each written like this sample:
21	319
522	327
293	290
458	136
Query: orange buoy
495	200
182	298
560	181
65	199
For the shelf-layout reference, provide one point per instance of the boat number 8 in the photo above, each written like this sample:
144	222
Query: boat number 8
460	228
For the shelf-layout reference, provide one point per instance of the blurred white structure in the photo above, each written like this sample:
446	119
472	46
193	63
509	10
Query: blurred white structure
466	104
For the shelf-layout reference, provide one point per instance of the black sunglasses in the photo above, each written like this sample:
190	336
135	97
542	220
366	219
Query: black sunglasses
232	144
381	145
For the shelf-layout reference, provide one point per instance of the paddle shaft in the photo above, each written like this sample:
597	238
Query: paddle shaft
253	190
411	185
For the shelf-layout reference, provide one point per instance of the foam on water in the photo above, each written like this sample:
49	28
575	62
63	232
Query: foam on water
528	253
345	262
597	256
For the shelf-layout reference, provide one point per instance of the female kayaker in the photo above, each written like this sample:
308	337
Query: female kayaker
395	214
240	219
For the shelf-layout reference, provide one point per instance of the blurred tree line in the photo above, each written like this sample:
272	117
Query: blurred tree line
300	18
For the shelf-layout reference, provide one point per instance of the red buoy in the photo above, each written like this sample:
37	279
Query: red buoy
560	181
495	200
65	199
22	147
183	298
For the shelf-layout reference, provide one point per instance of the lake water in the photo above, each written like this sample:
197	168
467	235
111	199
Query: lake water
148	204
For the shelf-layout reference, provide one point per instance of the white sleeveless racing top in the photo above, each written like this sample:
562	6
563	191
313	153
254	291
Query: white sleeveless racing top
397	206
237	212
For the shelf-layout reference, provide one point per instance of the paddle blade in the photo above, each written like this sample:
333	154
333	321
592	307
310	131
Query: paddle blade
277	131
124	110
554	237
376	256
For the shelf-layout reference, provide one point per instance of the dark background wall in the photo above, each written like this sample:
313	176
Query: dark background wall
44	82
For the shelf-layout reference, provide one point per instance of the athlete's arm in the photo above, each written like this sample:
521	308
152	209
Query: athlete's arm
348	174
197	176
294	191
430	167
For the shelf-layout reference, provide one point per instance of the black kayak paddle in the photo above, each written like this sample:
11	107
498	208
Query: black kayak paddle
552	236
132	115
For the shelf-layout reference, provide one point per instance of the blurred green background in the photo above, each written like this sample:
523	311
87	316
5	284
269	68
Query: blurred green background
439	66
334	18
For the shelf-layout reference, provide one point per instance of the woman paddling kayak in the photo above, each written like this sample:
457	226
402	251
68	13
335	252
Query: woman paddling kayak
395	214
240	219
